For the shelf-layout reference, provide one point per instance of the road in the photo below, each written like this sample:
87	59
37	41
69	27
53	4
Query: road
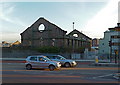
15	72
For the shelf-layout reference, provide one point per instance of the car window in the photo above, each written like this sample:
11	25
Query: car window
61	57
41	59
50	57
57	57
33	58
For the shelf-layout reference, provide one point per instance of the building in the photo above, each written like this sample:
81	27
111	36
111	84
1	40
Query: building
109	45
5	44
115	41
77	41
104	49
95	42
17	43
53	35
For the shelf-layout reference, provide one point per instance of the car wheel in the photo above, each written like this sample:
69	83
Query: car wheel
51	67
28	67
67	65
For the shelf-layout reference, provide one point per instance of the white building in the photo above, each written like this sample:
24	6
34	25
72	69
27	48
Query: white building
109	46
104	48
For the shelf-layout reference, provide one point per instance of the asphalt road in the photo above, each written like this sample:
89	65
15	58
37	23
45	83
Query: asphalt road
82	73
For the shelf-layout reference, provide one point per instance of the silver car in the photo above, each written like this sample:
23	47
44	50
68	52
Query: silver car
41	62
64	62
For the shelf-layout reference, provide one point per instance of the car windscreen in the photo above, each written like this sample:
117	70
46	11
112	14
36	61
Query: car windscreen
46	58
51	57
33	58
61	57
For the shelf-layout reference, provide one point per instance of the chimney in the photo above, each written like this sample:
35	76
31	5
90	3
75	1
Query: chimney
118	24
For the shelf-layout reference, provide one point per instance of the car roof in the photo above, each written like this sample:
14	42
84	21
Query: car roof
49	54
37	56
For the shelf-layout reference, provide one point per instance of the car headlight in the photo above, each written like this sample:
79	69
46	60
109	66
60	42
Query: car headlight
73	62
58	63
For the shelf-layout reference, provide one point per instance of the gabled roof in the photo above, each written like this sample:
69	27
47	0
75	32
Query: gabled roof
16	43
42	18
78	32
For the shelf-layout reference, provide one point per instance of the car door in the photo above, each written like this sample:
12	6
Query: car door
42	63
33	61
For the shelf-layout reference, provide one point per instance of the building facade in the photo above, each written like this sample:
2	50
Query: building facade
115	41
95	42
6	44
104	49
52	35
110	44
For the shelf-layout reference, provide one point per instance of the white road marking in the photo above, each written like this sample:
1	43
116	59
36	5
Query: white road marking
102	76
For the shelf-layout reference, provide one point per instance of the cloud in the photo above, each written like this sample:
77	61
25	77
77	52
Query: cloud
10	21
7	14
104	19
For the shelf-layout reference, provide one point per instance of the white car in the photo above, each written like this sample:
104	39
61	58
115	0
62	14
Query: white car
39	61
64	62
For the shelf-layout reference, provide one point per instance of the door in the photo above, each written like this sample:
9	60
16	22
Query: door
33	62
42	62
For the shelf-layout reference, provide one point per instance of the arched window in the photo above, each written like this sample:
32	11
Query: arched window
41	27
75	35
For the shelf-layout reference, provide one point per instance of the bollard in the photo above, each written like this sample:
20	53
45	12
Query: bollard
96	59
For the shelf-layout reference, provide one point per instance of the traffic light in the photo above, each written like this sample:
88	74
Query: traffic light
110	43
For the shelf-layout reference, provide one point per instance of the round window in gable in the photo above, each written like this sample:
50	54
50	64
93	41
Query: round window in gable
41	27
75	35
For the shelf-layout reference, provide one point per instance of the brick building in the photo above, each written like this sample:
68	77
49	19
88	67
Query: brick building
53	35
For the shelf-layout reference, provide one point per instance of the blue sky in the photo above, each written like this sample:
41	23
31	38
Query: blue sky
91	18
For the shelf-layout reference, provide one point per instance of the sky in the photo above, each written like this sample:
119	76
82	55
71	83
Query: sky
92	18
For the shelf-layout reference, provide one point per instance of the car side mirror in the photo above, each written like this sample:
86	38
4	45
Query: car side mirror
45	60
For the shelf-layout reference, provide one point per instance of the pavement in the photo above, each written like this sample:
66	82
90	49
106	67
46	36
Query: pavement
105	64
92	62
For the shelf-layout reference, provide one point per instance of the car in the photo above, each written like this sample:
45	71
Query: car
39	61
64	62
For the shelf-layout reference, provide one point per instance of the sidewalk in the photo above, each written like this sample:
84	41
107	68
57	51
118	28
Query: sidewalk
81	60
100	63
105	64
20	59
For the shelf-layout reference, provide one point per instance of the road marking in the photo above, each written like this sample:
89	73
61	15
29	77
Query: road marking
44	76
107	68
102	76
101	68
